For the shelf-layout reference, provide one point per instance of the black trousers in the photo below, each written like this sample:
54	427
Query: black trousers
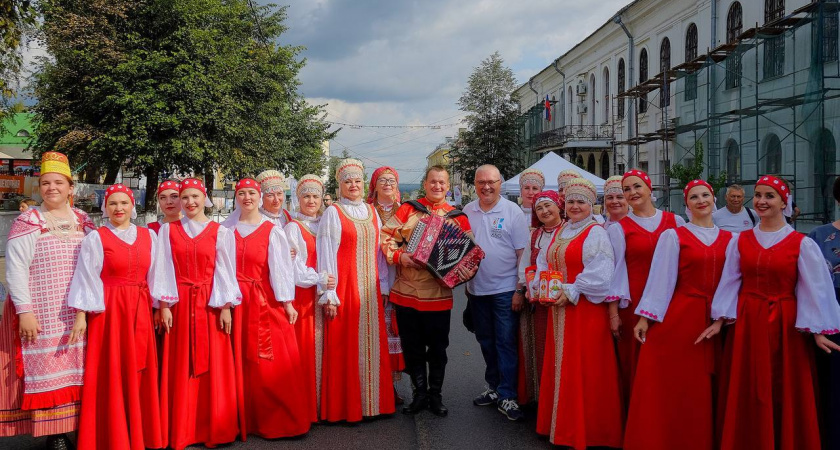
424	336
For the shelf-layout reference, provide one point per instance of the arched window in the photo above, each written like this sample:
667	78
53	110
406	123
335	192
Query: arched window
733	161
579	161
606	95
605	165
774	48
590	163
592	99
22	133
734	28
825	171
643	76
664	67
622	86
562	108
773	155
691	55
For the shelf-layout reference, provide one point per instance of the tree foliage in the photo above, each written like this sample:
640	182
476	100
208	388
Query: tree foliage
332	184
17	20
685	174
184	86
492	111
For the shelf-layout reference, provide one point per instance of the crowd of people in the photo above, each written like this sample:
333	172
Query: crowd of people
189	331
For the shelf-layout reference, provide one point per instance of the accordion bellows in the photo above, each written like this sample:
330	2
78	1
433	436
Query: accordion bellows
443	247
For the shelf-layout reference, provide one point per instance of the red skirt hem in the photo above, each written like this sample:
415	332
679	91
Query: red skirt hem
51	399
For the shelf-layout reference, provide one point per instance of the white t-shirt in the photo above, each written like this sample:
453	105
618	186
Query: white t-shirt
500	232
735	223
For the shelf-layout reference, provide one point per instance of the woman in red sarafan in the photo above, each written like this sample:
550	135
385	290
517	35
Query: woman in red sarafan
634	240
309	327
778	291
356	379
195	283
169	203
673	396
120	397
269	374
41	372
580	400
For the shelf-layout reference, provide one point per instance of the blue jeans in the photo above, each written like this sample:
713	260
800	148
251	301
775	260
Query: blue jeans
496	328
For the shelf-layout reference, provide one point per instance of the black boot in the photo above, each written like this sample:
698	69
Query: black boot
436	405
59	442
420	400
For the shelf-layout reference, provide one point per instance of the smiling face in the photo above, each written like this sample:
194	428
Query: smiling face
636	192
548	213
700	201
273	201
436	185
192	202
352	189
248	199
55	189
617	205
527	192
488	183
386	188
169	202
119	208
577	210
767	202
310	204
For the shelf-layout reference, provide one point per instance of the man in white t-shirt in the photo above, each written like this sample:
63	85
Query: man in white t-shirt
494	294
735	217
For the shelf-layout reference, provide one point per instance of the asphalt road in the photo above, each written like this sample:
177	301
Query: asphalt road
467	426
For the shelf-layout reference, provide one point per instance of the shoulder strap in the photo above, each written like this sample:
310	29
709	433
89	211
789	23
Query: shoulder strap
455	213
749	213
419	206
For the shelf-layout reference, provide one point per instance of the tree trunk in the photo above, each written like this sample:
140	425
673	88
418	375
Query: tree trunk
209	181
111	174
152	177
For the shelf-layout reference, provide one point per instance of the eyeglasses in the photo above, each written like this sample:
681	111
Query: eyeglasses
485	183
386	182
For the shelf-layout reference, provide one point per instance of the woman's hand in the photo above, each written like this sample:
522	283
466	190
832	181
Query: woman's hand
407	261
562	299
710	332
291	312
225	319
331	311
615	320
331	283
641	329
826	344
79	328
165	318
29	326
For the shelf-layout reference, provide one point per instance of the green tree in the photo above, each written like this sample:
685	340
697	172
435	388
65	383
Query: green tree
684	174
184	86
17	20
332	185
492	110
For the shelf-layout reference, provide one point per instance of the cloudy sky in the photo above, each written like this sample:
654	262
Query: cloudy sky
396	62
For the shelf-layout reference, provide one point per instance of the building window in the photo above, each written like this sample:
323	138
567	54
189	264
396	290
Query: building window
691	55
774	48
733	161
590	163
579	161
606	95
773	155
734	28
643	76
562	108
621	87
605	165
825	161
22	133
830	32
571	98
592	99
664	67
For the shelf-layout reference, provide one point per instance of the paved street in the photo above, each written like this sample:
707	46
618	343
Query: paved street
467	426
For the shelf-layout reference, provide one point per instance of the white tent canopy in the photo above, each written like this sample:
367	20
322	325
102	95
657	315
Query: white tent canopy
551	165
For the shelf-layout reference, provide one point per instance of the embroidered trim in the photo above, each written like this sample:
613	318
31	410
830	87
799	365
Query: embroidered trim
824	332
648	314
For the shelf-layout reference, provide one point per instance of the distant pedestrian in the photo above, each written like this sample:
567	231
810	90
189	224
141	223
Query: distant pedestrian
495	295
26	203
735	217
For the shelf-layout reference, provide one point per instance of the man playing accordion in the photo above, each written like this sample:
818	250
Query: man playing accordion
423	304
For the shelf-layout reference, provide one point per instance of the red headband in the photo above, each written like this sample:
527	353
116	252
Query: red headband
552	196
374	178
117	188
247	183
166	185
192	183
640	174
694	184
777	184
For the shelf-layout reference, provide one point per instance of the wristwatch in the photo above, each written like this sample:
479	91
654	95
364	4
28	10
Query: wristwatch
520	291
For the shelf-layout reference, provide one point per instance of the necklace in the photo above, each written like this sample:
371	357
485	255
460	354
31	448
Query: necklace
59	226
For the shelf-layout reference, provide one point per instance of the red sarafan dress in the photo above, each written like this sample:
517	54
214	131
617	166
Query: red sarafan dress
269	376
634	245
309	327
154	226
120	397
672	402
356	379
580	399
768	398
198	381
